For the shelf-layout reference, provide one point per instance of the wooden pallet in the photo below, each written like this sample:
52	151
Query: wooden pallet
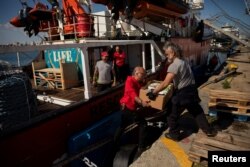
230	101
236	138
231	105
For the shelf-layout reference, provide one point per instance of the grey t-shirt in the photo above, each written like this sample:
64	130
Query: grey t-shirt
104	70
183	73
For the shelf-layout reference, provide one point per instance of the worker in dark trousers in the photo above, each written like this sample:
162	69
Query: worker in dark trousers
185	95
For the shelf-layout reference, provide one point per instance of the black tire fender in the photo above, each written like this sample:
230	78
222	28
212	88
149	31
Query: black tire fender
125	155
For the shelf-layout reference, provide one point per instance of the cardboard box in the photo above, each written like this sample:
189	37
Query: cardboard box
160	101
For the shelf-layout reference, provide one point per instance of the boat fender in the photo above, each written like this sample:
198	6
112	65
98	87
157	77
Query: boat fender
125	156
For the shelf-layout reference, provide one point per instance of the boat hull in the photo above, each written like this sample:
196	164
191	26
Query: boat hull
99	154
42	142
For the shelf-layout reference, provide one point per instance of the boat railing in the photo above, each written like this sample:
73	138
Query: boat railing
94	26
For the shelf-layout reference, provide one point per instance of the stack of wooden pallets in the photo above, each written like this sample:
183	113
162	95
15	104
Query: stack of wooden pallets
235	138
235	102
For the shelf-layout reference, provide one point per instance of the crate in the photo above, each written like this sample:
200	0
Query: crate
160	101
57	78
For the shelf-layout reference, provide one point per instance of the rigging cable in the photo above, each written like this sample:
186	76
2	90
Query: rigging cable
244	27
225	13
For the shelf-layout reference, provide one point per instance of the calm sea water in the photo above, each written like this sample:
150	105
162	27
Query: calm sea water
25	58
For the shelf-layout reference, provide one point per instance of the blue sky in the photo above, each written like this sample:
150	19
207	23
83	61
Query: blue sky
10	8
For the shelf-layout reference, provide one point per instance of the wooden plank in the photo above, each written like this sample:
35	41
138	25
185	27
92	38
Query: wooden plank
241	129
243	56
199	152
51	70
227	139
229	94
198	156
38	65
237	102
227	146
194	158
199	145
48	80
229	108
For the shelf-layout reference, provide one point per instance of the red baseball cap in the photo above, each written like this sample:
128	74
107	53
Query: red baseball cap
104	53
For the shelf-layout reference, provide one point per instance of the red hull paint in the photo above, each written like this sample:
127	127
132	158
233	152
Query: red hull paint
192	50
40	144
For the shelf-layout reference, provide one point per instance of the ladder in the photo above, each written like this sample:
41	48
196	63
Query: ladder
143	26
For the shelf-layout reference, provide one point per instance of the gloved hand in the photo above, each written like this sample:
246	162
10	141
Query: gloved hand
151	95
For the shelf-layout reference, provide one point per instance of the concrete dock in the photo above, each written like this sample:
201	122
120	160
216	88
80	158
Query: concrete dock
165	152
234	135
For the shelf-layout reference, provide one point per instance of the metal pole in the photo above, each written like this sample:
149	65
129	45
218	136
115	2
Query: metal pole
18	59
86	73
143	56
152	57
98	30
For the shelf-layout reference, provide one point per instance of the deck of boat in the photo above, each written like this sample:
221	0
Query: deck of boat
74	94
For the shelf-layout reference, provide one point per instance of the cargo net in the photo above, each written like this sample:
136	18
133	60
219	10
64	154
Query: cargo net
17	99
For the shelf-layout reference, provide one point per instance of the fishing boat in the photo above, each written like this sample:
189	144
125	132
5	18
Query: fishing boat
59	113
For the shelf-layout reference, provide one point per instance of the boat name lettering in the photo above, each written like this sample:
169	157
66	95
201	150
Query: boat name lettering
88	162
66	54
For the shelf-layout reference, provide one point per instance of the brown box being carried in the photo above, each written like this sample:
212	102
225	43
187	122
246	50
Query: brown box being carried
161	99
